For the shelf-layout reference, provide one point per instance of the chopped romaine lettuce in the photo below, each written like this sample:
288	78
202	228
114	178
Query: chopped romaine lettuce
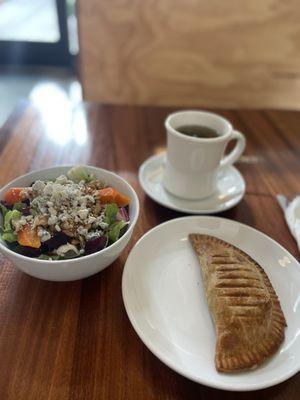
111	211
3	211
69	254
19	206
46	257
7	231
114	230
9	216
9	236
79	173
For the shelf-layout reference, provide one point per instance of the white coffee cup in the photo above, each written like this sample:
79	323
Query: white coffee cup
193	163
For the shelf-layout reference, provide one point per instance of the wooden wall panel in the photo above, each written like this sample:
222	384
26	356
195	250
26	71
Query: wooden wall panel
191	52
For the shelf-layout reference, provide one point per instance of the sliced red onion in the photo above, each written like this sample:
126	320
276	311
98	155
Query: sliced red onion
96	244
122	215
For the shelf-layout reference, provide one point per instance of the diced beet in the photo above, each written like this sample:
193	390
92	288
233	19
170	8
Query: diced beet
96	244
57	240
8	206
122	215
26	211
29	251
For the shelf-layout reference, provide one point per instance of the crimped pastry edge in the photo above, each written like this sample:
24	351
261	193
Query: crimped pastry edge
248	360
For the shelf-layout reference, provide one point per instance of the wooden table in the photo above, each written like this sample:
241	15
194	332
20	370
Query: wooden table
74	340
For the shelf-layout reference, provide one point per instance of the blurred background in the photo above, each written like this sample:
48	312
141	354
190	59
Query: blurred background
187	53
38	54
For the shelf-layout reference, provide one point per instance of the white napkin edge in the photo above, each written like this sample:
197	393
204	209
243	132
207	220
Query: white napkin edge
292	220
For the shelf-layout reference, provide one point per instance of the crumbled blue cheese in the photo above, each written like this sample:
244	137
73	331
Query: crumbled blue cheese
93	235
43	234
82	231
62	179
52	220
65	206
38	186
19	223
83	213
52	210
91	219
103	225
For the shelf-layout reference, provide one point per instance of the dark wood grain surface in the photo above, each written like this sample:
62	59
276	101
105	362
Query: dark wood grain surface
74	340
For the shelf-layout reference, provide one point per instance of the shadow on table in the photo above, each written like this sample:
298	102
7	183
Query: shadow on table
242	212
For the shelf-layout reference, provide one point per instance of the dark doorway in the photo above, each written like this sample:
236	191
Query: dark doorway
35	32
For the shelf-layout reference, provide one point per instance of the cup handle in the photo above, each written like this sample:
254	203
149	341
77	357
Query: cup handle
235	154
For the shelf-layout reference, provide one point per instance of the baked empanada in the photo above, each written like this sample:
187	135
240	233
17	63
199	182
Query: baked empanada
247	315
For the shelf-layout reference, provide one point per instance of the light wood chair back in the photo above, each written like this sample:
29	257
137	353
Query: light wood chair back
191	52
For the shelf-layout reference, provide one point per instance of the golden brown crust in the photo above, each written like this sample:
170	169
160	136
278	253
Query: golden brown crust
248	318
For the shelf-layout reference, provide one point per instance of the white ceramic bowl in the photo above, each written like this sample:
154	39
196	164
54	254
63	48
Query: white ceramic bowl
77	268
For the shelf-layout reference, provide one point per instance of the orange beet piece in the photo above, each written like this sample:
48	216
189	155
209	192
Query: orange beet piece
28	237
111	195
13	195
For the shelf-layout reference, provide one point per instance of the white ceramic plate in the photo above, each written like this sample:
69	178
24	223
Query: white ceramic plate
165	300
230	189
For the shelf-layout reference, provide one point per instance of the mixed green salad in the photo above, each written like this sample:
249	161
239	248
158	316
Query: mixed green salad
71	216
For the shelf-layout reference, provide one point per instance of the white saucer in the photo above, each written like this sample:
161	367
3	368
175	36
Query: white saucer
230	191
165	300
